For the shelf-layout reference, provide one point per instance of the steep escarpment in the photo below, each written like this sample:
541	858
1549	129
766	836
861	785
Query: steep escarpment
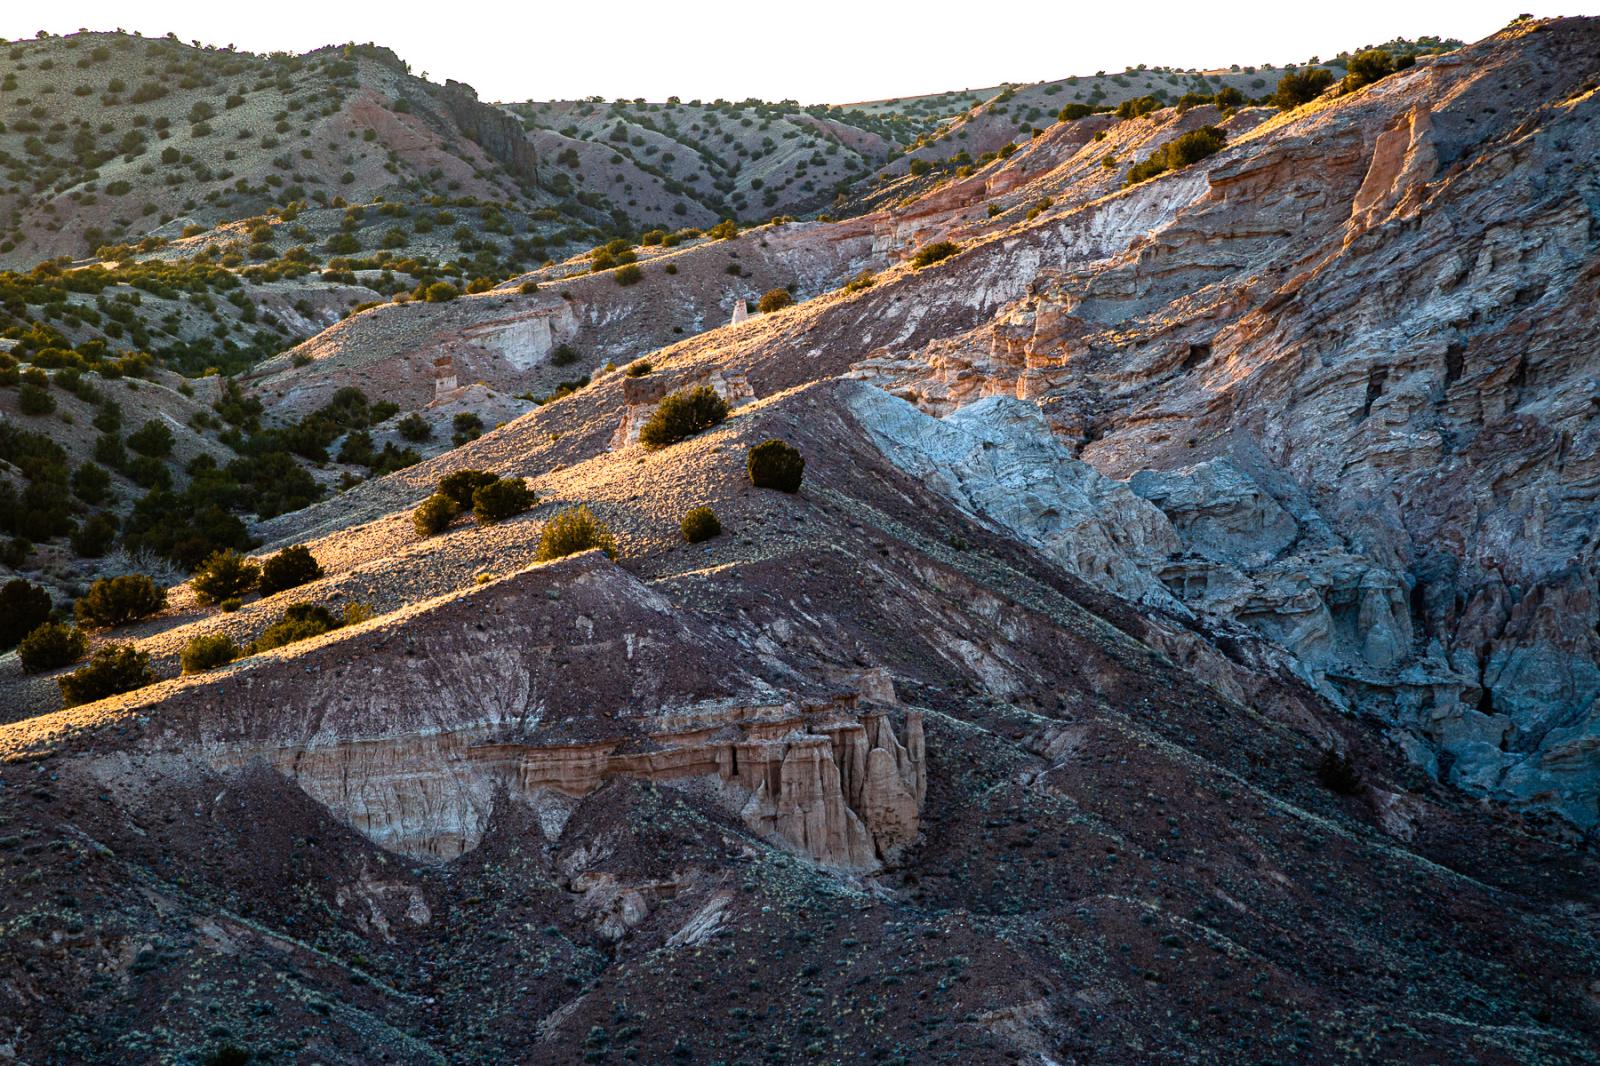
1382	350
495	131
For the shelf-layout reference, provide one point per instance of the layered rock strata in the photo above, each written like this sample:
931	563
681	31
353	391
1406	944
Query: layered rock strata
412	729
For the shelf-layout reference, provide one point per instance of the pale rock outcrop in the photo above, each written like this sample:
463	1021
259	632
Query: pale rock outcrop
830	781
999	461
1403	160
807	806
833	782
412	728
1208	539
611	906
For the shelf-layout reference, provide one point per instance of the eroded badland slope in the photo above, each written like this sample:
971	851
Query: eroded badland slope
1182	644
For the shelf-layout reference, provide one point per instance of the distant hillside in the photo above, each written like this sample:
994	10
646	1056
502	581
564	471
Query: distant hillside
692	163
189	230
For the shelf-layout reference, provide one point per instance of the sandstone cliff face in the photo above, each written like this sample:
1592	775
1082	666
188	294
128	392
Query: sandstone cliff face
831	782
413	729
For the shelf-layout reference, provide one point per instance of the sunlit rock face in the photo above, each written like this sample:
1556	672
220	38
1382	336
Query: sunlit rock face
1349	359
540	688
833	783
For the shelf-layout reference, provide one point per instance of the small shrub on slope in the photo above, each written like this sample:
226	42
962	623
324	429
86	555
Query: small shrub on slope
501	499
112	669
461	484
434	514
23	608
699	524
929	254
574	530
413	427
1301	87
116	601
290	568
1338	773
207	652
773	464
1179	152
300	621
224	575
1366	68
50	646
774	300
681	415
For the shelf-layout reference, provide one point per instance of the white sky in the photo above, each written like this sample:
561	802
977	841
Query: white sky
813	51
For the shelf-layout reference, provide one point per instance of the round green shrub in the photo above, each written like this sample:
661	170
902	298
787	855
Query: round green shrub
51	645
230	605
14	551
1365	68
24	607
112	669
153	439
35	400
207	652
774	300
93	538
290	568
574	530
224	575
1300	87
461	484
413	427
499	500
434	514
116	601
682	414
440	292
299	621
929	254
467	426
638	368
91	483
1189	148
700	523
631	274
773	464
